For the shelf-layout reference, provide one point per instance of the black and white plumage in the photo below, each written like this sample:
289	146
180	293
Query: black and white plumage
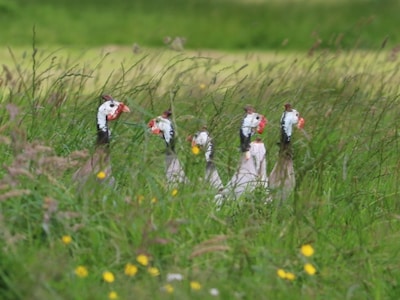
282	178
249	126
162	126
203	139
99	164
251	170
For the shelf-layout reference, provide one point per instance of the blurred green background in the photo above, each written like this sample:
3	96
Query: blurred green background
214	24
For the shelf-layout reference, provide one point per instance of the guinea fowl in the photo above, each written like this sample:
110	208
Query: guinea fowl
247	176
258	151
282	177
202	139
99	166
163	127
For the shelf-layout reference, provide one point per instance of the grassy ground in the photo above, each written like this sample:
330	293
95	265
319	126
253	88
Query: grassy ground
60	243
227	25
344	205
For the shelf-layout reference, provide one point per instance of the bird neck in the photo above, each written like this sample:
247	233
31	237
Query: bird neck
103	133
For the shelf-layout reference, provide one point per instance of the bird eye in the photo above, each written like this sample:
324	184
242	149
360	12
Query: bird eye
112	105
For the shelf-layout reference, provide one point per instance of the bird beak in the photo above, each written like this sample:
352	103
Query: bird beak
125	108
120	109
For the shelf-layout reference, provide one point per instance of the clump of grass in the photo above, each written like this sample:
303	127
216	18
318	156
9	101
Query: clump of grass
59	243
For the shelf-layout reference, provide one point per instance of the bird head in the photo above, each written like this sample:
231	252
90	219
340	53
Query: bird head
153	126
111	108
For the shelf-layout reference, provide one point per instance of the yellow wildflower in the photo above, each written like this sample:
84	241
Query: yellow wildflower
169	288
108	277
81	271
174	192
66	239
307	250
153	271
290	276
195	150
101	175
143	259
285	275
112	295
309	269
154	200
281	273
130	269
202	86
140	199
195	285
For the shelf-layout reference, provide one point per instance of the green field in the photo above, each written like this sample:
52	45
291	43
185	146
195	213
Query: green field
344	204
126	242
216	24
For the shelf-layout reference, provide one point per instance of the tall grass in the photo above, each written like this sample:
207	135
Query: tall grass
346	161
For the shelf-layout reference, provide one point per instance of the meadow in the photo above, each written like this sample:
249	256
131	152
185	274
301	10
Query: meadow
336	237
344	205
287	25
